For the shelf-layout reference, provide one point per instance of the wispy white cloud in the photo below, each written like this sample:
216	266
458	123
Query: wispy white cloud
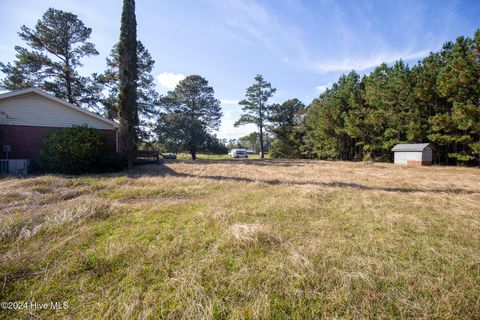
362	43
168	80
261	23
286	40
360	64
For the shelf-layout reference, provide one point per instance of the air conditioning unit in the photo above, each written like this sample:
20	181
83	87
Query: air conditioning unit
15	167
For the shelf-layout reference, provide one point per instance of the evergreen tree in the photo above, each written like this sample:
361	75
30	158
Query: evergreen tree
231	144
127	99
438	101
286	119
389	97
327	134
192	113
458	82
214	145
255	107
56	46
429	102
147	96
251	141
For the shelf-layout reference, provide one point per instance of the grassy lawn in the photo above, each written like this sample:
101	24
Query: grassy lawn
242	239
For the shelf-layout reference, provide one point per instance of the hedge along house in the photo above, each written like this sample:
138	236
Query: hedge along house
413	154
27	115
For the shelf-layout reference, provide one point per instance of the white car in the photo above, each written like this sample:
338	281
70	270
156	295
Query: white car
239	153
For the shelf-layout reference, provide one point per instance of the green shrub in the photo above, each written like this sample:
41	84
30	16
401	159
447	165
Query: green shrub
74	151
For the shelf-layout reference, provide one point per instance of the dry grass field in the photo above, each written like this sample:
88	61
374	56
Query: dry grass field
255	239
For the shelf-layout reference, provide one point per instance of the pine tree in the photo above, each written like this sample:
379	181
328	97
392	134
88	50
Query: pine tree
428	103
326	129
286	119
255	107
438	101
192	113
147	96
56	46
127	99
251	141
458	82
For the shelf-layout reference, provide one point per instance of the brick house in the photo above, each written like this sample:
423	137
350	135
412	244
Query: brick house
27	115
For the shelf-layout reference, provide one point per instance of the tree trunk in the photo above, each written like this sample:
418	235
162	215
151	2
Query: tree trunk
367	156
193	152
262	154
68	80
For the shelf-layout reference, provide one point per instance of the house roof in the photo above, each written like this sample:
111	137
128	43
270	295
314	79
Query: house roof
411	146
61	101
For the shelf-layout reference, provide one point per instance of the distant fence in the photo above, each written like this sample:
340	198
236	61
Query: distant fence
148	156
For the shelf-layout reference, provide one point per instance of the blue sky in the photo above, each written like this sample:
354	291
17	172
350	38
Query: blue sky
301	47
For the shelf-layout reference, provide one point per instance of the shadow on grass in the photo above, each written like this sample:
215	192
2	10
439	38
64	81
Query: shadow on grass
255	162
164	170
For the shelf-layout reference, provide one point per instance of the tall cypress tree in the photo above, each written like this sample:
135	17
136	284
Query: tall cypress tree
127	99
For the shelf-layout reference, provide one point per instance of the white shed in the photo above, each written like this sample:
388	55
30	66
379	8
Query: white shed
413	154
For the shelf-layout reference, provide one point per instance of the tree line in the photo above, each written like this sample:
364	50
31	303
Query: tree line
358	118
363	117
436	101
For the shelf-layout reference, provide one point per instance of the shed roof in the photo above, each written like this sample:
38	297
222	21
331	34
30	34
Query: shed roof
411	147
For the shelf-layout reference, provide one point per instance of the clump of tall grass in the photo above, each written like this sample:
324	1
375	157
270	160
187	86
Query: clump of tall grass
23	225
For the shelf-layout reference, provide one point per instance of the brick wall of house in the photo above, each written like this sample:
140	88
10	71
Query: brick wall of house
25	140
